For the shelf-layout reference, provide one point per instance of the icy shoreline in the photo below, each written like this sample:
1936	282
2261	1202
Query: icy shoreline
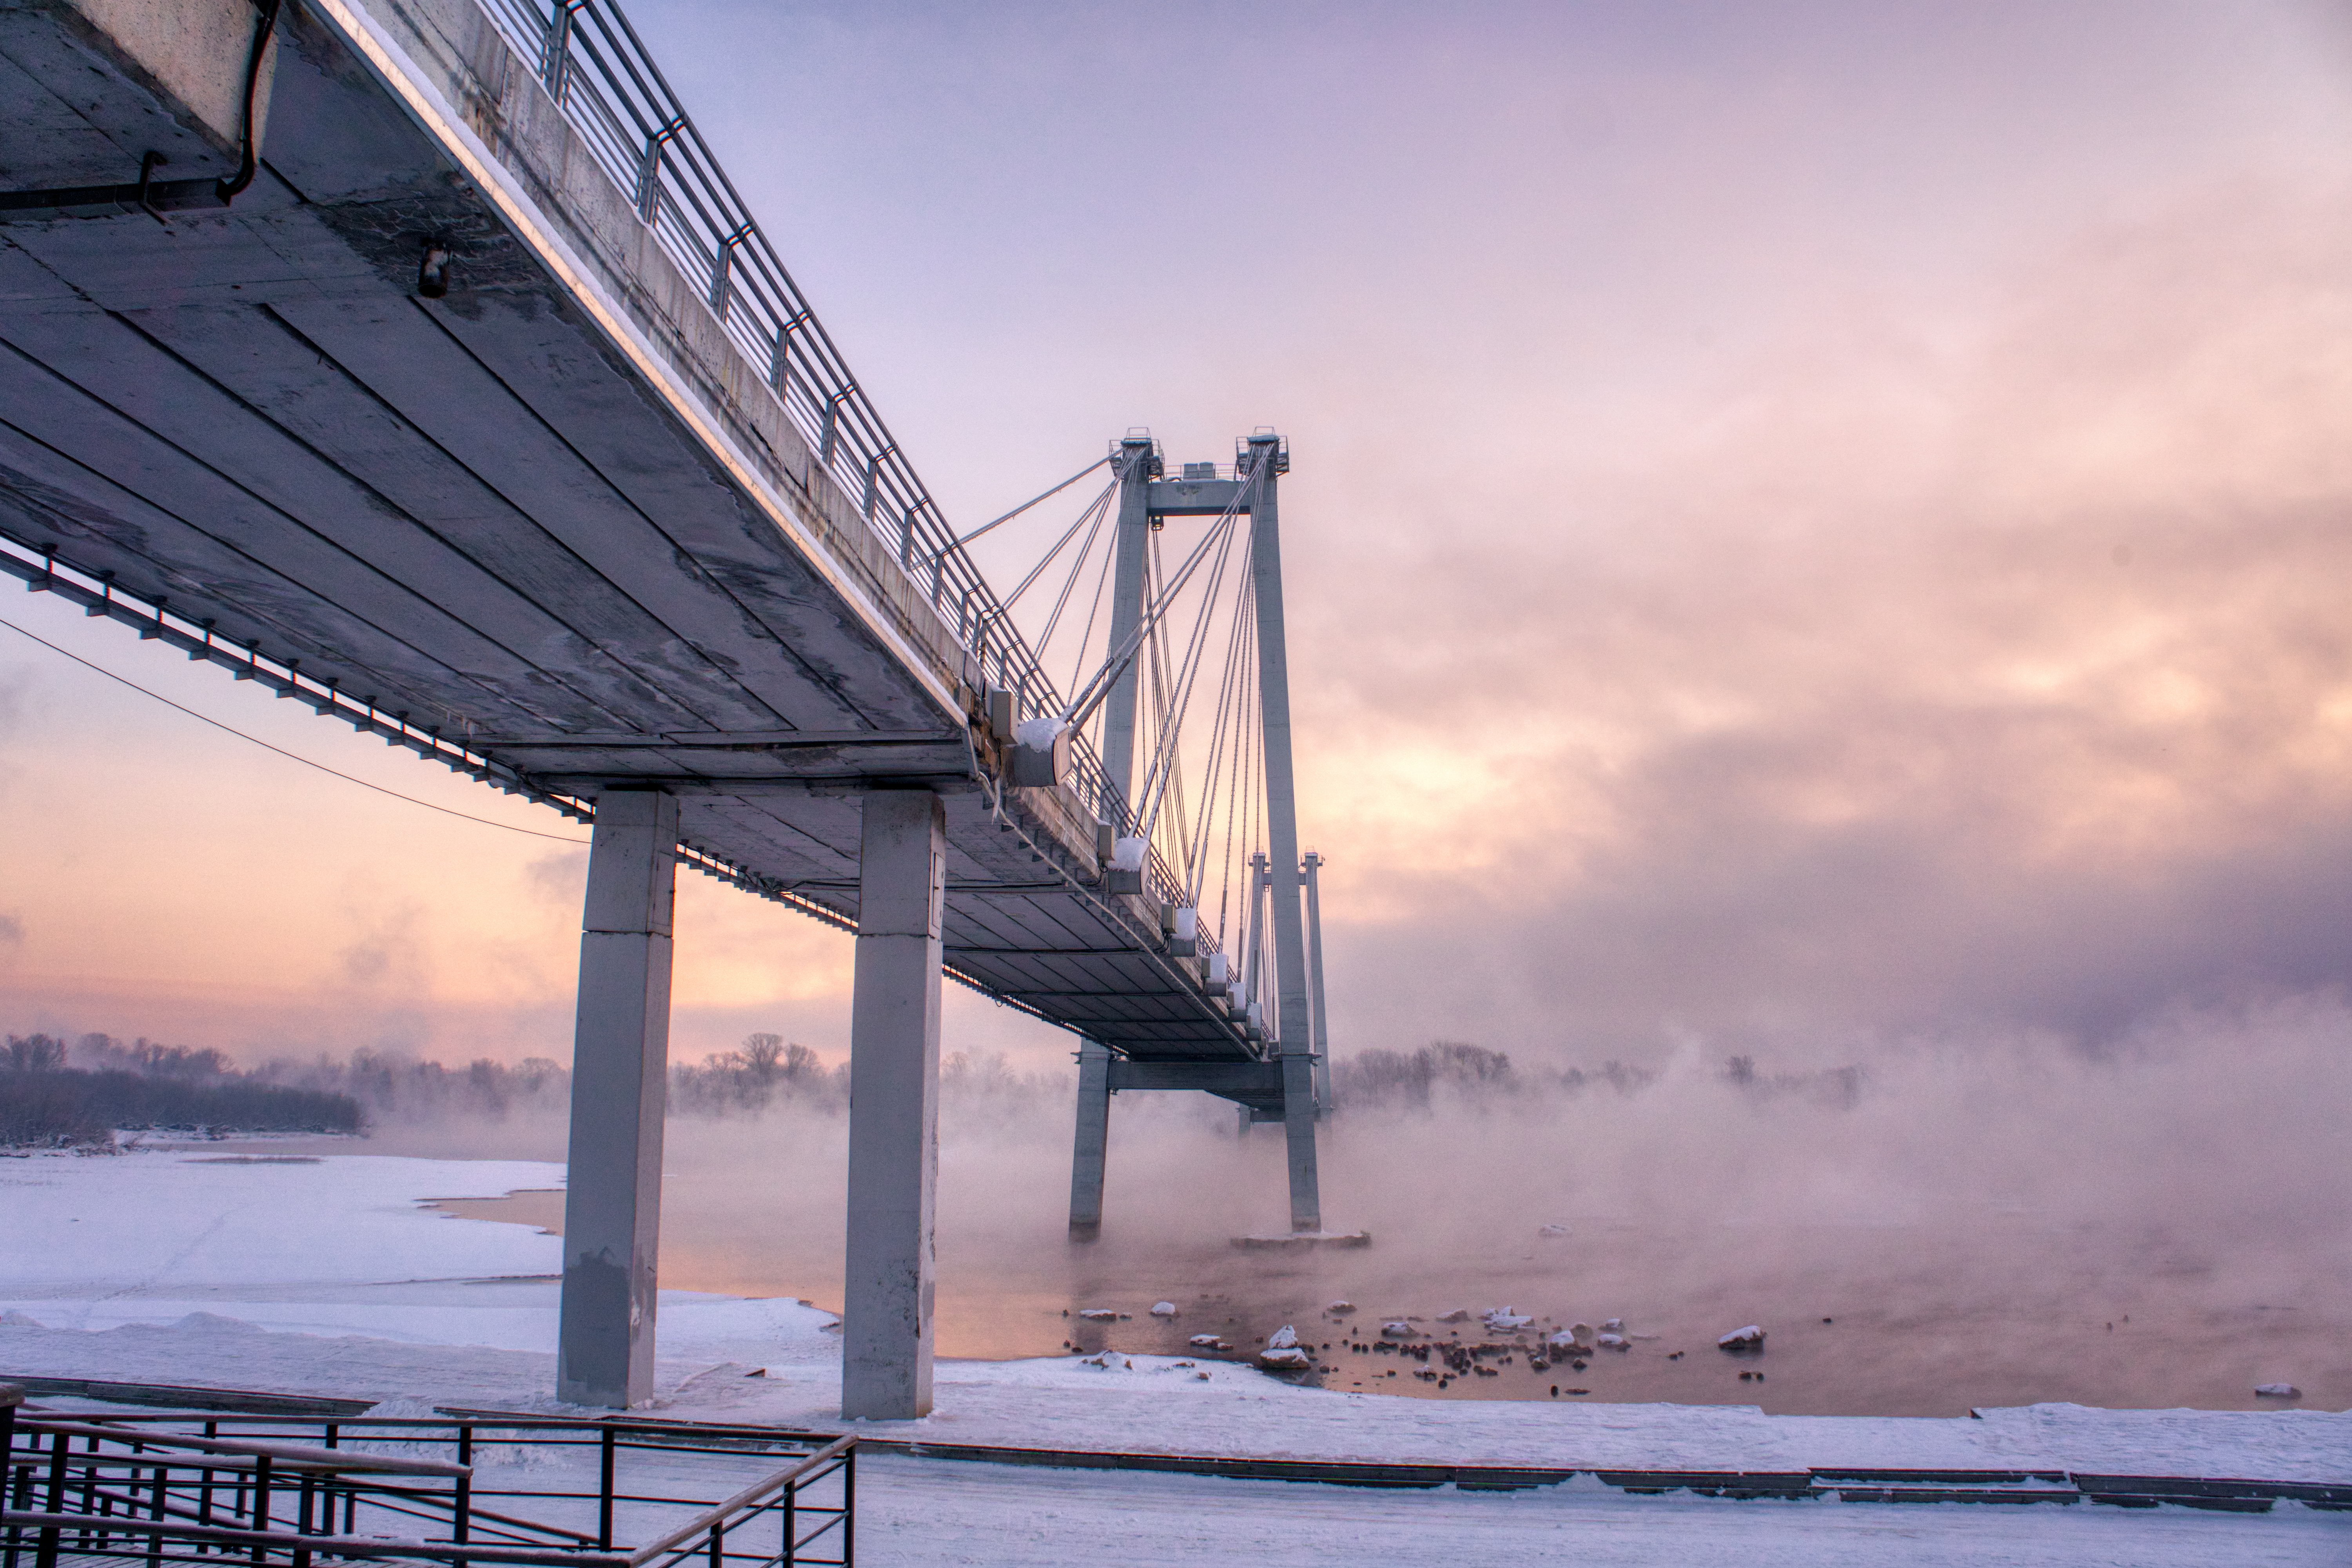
329	1278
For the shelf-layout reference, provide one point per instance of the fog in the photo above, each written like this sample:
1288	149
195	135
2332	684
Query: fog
1973	1213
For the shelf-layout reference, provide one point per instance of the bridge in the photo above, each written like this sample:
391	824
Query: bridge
418	363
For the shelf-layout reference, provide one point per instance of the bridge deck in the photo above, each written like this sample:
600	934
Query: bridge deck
555	514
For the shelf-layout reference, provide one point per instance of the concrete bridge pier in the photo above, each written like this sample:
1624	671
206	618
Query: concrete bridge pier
894	1097
620	1066
1092	1140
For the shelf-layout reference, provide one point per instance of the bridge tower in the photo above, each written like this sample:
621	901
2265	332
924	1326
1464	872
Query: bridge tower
1147	498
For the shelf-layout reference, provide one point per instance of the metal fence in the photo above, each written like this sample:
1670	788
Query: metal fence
287	1492
592	63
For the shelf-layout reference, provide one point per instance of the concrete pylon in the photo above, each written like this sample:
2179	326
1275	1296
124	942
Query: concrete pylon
1138	464
1087	1160
1294	1026
620	1067
1313	863
894	1109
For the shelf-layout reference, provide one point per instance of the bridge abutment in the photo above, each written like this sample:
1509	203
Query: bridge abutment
893	1088
620	1064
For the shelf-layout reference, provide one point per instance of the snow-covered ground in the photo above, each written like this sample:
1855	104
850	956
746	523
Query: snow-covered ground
331	1277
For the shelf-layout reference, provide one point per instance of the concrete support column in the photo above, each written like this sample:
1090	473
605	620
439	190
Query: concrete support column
1294	1028
1137	462
1093	1141
1313	863
620	1066
894	1109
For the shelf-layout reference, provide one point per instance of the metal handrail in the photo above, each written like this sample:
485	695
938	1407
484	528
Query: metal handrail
145	1487
591	60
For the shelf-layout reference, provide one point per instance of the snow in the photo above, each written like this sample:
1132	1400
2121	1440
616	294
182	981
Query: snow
1039	733
1283	1339
1163	1309
1750	1337
1127	854
330	1278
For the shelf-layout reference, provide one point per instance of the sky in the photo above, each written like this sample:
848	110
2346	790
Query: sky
1811	526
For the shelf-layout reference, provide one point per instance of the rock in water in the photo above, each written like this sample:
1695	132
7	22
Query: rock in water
1098	1314
1505	1318
1609	1341
1396	1330
1284	1338
1163	1309
1750	1337
1554	1231
1207	1343
1340	1308
1288	1358
1458	1315
2278	1391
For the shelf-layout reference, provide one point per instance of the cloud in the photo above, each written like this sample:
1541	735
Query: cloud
1990	672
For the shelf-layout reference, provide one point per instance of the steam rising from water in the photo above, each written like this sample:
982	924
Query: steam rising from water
1972	1214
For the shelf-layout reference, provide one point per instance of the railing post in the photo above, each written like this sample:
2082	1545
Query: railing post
873	471
555	49
261	1518
849	1505
462	1521
649	168
604	1492
828	434
722	275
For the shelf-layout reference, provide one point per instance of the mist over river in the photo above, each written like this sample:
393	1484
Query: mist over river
1930	1229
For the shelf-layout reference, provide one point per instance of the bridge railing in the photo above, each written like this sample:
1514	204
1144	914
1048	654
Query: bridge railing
592	63
205	1488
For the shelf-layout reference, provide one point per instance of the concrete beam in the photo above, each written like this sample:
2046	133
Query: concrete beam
1195	497
620	1067
1254	1080
894	1109
1090	1153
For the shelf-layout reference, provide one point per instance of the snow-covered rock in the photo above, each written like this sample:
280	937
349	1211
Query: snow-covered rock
1207	1343
1163	1309
1750	1337
1283	1339
1099	1314
1609	1341
1396	1330
1455	1315
1505	1318
2278	1391
1340	1308
1288	1359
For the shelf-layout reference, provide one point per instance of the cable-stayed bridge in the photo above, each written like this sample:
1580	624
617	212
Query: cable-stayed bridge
418	361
